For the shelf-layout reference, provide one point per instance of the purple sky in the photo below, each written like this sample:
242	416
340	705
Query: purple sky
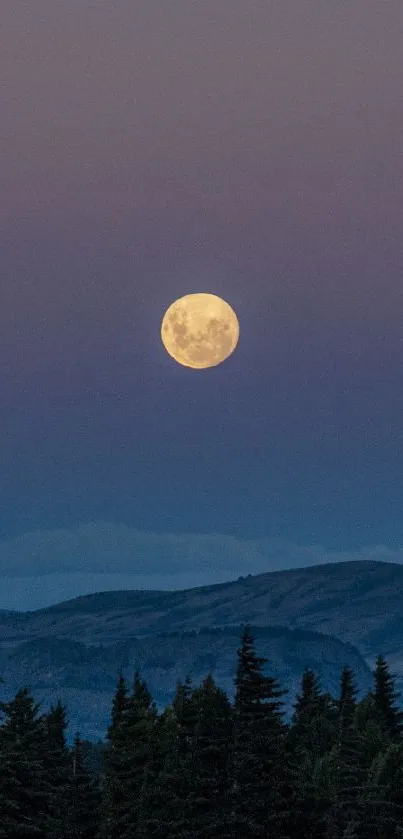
254	150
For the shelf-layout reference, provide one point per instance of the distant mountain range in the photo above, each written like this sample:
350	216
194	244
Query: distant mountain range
322	616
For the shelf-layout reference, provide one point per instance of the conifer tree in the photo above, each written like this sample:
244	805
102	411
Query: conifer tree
385	697
364	711
209	796
348	759
138	725
366	720
176	778
114	766
362	806
24	789
311	735
258	757
155	795
382	796
83	796
314	721
375	816
10	801
306	709
126	759
347	699
57	770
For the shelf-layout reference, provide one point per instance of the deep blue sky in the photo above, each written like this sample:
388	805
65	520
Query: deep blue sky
152	150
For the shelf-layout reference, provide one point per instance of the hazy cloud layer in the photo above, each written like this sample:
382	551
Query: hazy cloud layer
45	567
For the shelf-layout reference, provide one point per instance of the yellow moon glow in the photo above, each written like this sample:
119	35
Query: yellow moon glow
200	330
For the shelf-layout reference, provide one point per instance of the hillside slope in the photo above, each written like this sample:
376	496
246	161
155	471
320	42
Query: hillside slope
84	677
358	602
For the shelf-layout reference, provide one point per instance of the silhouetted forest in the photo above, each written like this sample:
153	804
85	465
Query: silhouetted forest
206	768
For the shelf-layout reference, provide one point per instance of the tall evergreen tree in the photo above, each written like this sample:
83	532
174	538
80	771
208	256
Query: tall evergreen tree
382	796
258	756
119	706
311	736
385	697
307	700
126	759
155	796
362	806
113	799
209	796
348	759
306	709
57	770
83	796
24	787
375	816
11	814
177	775
366	720
347	699
138	726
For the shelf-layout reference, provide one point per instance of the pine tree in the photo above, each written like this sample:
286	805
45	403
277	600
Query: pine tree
348	759
347	699
83	797
24	788
311	736
94	757
375	816
209	796
11	814
314	721
258	756
366	720
376	725
176	778
138	725
57	770
113	800
385	696
383	794
155	795
306	709
126	758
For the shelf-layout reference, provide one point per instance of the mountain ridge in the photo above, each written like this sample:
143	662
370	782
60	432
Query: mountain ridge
346	600
329	566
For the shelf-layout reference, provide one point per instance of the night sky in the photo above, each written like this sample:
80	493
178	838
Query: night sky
153	149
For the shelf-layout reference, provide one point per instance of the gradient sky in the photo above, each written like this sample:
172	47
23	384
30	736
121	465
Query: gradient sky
253	150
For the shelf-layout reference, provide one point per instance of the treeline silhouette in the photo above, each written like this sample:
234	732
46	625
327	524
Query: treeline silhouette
207	768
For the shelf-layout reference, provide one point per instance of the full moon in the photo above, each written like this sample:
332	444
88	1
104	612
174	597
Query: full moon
200	330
